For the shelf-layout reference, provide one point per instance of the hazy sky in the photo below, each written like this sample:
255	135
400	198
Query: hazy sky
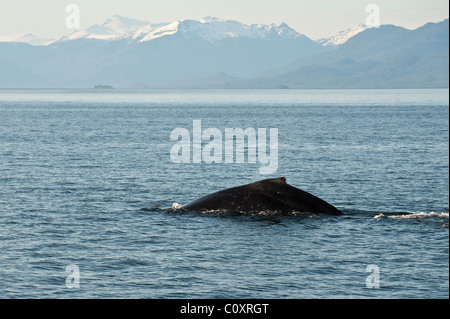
314	18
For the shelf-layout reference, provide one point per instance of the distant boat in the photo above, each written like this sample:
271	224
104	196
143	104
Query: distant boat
101	86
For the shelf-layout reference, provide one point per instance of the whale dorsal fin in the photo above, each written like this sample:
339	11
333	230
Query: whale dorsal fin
281	180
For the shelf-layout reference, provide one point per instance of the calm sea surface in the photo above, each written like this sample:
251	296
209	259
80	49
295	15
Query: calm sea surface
82	170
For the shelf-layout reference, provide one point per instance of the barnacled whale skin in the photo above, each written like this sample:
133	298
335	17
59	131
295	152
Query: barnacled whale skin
266	195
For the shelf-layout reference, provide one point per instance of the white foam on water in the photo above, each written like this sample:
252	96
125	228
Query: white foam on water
415	215
176	206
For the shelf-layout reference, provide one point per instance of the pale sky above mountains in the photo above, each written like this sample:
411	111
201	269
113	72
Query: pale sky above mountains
316	19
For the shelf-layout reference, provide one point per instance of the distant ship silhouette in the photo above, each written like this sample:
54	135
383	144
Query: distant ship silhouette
101	86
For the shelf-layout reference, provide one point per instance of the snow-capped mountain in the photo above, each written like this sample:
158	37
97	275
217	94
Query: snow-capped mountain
126	52
213	29
384	57
114	28
25	38
342	36
210	29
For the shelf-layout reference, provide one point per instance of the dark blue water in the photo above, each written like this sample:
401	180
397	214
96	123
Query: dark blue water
81	171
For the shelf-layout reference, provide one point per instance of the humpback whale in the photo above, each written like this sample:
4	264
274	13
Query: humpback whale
266	195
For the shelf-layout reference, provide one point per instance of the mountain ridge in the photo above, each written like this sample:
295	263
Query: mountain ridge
385	57
217	53
119	27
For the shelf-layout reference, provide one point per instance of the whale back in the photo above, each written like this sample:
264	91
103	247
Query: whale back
266	195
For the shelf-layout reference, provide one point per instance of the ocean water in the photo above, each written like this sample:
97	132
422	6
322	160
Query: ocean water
87	182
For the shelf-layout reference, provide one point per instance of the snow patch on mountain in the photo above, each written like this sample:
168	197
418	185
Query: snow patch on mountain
150	32
342	36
